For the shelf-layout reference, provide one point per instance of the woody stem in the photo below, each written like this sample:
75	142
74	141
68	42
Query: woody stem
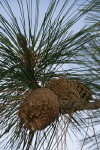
88	105
73	106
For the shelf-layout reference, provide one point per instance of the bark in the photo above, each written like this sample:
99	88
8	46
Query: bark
89	105
73	106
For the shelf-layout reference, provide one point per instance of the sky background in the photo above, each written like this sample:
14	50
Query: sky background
74	143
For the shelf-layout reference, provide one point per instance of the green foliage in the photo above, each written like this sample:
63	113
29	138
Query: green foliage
61	51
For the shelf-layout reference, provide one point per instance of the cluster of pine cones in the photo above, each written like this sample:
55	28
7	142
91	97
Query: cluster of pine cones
43	105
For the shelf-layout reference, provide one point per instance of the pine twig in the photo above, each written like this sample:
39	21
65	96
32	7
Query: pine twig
69	107
83	105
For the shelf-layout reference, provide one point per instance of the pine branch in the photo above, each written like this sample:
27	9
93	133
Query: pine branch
73	106
89	105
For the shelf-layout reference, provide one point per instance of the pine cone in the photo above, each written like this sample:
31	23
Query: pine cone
67	91
83	91
40	108
21	40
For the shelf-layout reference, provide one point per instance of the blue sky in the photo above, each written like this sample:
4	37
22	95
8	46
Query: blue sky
42	9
